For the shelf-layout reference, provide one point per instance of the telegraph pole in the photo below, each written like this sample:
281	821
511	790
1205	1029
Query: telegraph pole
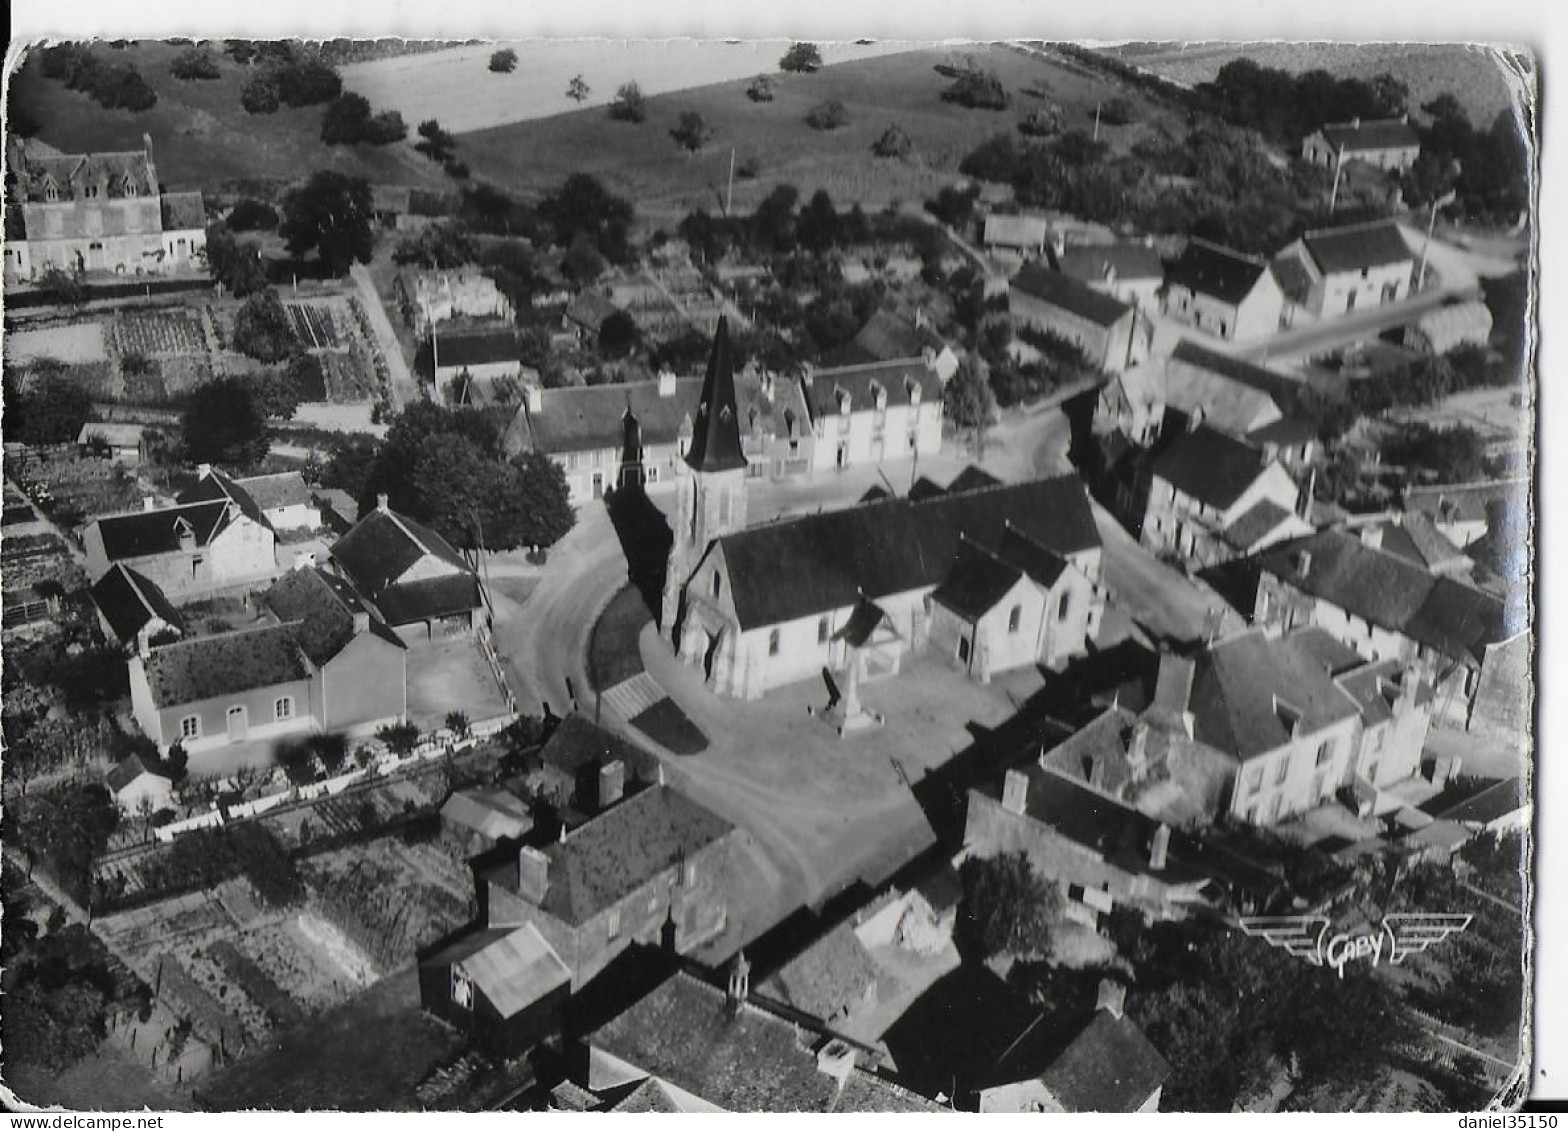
729	193
1339	164
1431	224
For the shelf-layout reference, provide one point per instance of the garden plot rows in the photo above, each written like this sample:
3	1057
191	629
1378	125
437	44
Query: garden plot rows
315	325
157	333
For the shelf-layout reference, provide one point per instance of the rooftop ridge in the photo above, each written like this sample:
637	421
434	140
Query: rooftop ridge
133	512
1439	488
1246	257
1358	226
228	635
1361	123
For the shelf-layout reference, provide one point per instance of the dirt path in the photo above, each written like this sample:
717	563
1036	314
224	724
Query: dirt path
404	388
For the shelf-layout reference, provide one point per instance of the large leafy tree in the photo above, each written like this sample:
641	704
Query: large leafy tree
1008	907
582	206
262	329
52	411
224	424
330	214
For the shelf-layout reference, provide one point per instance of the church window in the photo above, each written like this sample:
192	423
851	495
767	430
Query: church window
773	642
51	192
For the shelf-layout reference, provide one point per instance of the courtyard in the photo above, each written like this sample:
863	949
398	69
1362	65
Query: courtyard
450	675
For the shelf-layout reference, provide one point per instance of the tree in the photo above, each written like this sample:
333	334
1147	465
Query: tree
401	738
629	105
457	722
954	206
582	263
251	216
969	401
259	94
262	328
52	412
802	58
1008	908
978	90
223	425
435	143
1042	121
504	61
817	228
543	503
440	247
330	749
828	115
582	206
332	214
1115	112
773	222
176	763
761	89
61	286
348	121
691	133
242	51
350	464
995	159
894	142
577	90
194	63
235	264
306	81
618	335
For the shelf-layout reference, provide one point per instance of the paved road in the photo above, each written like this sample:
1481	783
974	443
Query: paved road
1164	600
1334	333
404	387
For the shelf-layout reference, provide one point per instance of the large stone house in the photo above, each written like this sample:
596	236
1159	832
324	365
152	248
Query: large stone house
1474	646
410	575
1386	143
875	413
654	869
187	550
1110	332
98	214
1130	272
586	430
1226	293
1340	270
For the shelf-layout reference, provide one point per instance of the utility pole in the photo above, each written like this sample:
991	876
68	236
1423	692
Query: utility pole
1431	224
729	193
1097	121
1339	164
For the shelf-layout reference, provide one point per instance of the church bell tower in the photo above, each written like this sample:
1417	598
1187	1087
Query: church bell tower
712	498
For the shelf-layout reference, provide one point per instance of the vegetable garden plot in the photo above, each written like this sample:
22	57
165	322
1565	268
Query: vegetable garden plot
315	325
157	333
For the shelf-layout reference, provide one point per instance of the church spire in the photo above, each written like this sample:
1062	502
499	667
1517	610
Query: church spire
715	441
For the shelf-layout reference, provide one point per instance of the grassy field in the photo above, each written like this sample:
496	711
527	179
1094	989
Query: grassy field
1474	75
202	138
643	162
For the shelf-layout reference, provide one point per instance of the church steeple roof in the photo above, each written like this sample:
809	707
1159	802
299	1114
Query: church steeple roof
715	441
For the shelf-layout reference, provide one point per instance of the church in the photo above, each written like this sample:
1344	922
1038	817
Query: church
991	576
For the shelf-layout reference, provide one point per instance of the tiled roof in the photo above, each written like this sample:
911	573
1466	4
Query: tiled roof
685	1032
1240	684
1254	524
896	379
887	337
146	533
284	489
1118	262
1372	134
324	606
625	847
1209	466
183	211
216	485
382	546
1282	390
715	440
831	978
649	1096
125	771
1067	293
512	966
129	602
1455	322
1490	804
1098	750
1464	502
227	664
1016	230
977	580
493	813
809	565
1206	268
1109	1067
408	602
589	309
1352	248
1416	537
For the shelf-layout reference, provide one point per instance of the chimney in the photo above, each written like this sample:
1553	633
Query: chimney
666	383
1160	846
1372	536
1015	791
147	503
203	470
381	503
361	621
740	982
535	400
1195	418
1173	689
836	1059
1138	745
612	783
1112	997
533	874
1303	562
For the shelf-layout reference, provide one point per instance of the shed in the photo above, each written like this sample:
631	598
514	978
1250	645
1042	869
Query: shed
503	987
1456	324
127	443
479	819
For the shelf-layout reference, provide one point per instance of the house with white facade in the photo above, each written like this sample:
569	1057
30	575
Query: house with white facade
1223	292
1110	333
875	413
425	298
1385	143
1338	271
1131	272
282	498
187	550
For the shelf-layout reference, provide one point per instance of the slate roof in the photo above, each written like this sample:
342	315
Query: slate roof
1069	294
864	619
1385	589
831	978
382	546
512	966
68	169
129	602
115	435
1292	276
1367	686
976	582
923	488
493	813
748	1060
1210	466
578	743
458	350
1043	564
971	478
1239	684
1109	1067
715	441
183	211
812	564
216	485
436	597
1415	536
270	492
1371	134
1207	268
1282	390
624	848
1103	744
145	533
1284	432
324	606
896	379
1119	262
1336	250
1011	230
1254	524
227	664
1464	502
648	1096
127	770
1491	804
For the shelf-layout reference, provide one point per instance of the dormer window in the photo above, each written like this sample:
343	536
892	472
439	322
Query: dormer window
913	390
879	395
789	422
51	191
1290	716
843	402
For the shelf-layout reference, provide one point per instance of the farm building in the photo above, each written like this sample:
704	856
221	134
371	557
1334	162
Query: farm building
1340	270
98	214
1387	143
476	820
1018	236
502	987
126	443
586	315
282	498
1226	293
1110	333
132	609
881	412
186	550
427	297
476	355
409	575
1130	272
136	787
1455	324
